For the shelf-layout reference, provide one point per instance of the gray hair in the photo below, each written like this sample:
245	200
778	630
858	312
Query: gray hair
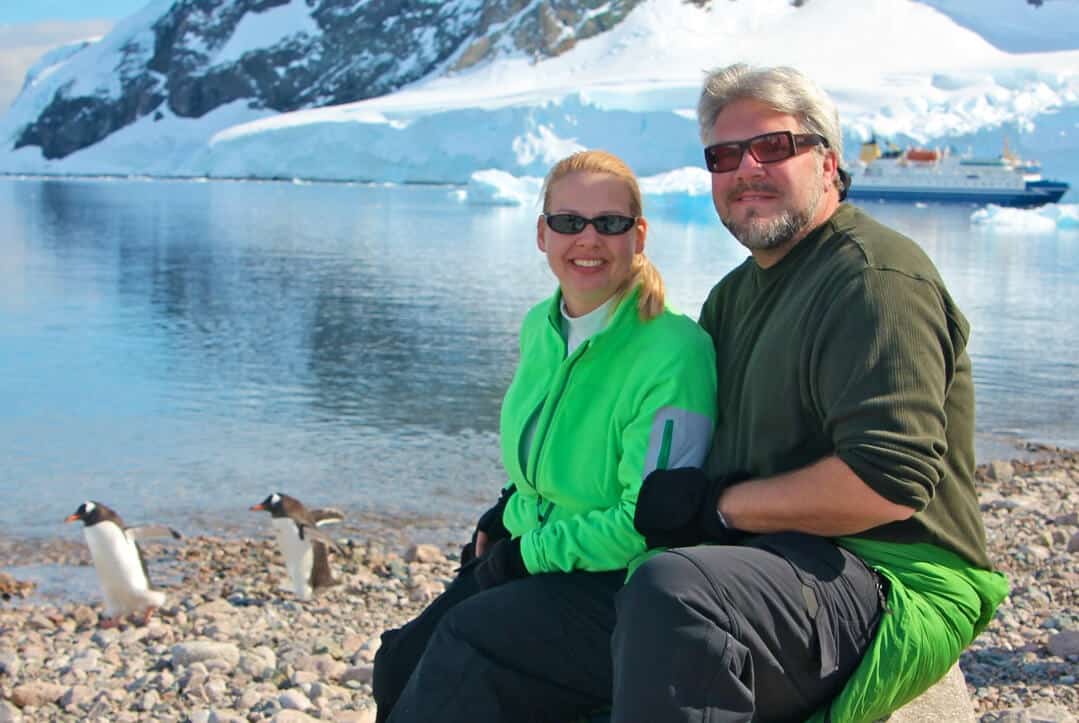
784	89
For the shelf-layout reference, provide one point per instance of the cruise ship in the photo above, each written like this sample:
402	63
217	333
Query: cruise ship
935	174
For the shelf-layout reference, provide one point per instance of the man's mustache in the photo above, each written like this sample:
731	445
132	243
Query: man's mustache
758	187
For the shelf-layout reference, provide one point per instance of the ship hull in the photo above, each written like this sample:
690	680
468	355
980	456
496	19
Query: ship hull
1026	199
1037	193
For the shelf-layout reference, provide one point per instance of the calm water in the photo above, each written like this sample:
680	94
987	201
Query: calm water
181	349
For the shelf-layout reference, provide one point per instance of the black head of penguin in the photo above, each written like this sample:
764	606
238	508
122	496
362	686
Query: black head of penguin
91	513
279	505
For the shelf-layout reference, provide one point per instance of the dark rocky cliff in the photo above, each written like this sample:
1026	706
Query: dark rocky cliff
354	49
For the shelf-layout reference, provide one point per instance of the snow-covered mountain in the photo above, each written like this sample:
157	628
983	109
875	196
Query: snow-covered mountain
433	91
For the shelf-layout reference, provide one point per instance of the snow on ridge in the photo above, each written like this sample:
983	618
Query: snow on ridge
90	71
630	90
264	29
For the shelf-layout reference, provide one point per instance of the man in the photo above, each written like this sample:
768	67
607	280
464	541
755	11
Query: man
850	567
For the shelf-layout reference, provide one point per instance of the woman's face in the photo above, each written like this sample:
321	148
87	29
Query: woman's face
590	266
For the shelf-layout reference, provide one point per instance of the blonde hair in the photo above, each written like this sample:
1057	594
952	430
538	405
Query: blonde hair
642	271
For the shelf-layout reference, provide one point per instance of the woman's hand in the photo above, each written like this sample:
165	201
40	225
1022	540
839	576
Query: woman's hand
489	529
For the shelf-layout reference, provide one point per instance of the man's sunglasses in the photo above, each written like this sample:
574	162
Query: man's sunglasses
608	224
766	148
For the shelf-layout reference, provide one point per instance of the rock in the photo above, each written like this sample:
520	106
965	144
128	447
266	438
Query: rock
226	716
293	700
1040	713
1073	543
84	616
1001	471
424	553
1008	716
202	650
292	716
359	674
322	665
77	696
9	663
1065	643
214	609
1043	713
10	587
367	715
948	700
9	713
260	663
36	693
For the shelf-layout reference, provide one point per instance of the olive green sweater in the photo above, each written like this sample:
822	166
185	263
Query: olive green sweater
851	346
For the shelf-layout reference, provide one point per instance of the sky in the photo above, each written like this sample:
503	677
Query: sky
28	28
921	77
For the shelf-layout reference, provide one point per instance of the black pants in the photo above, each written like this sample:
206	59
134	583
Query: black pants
768	631
535	649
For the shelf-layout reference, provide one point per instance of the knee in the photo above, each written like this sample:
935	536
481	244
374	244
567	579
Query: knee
662	585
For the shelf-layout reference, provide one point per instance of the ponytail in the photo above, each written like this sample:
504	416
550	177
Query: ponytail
650	299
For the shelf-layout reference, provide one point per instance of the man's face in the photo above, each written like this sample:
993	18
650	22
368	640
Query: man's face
769	206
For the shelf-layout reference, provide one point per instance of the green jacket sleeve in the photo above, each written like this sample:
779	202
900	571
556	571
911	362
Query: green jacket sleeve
670	426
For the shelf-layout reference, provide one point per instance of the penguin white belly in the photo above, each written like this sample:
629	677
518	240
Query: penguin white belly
299	556
119	571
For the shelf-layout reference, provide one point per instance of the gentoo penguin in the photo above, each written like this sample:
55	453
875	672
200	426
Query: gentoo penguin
302	544
120	567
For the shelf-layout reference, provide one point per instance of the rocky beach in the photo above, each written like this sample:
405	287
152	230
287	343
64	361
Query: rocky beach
230	644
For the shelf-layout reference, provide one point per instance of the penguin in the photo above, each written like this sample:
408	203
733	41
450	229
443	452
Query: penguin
303	545
118	561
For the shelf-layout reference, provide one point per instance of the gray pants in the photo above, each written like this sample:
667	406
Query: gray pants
529	651
764	632
769	631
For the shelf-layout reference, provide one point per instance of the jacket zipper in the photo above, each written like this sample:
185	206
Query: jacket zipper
545	507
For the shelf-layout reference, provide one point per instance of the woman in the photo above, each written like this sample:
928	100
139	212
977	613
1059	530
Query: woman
610	385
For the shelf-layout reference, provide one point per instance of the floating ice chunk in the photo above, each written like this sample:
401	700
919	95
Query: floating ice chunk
688	181
1042	219
491	187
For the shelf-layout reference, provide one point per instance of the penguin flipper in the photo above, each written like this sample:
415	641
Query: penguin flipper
326	515
311	533
145	532
142	562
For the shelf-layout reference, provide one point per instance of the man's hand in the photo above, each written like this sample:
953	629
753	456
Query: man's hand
680	508
502	564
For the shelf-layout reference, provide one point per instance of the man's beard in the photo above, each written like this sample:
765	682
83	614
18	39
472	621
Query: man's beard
756	233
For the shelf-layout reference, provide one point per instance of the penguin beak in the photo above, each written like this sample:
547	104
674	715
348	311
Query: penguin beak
71	518
257	508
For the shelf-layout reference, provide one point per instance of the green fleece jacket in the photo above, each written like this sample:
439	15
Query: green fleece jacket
633	397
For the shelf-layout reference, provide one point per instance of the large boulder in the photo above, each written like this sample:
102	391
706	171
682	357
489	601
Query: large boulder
948	700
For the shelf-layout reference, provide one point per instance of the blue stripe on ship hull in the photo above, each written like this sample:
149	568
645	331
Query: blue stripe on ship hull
1037	194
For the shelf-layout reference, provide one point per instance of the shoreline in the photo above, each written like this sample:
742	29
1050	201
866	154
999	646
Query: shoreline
230	645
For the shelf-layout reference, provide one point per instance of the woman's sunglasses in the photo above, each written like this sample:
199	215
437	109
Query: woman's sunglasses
766	148
608	224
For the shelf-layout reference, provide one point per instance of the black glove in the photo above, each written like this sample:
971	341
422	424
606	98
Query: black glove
679	508
490	522
501	564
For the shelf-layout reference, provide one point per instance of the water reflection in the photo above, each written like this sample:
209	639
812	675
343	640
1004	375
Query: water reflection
180	349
